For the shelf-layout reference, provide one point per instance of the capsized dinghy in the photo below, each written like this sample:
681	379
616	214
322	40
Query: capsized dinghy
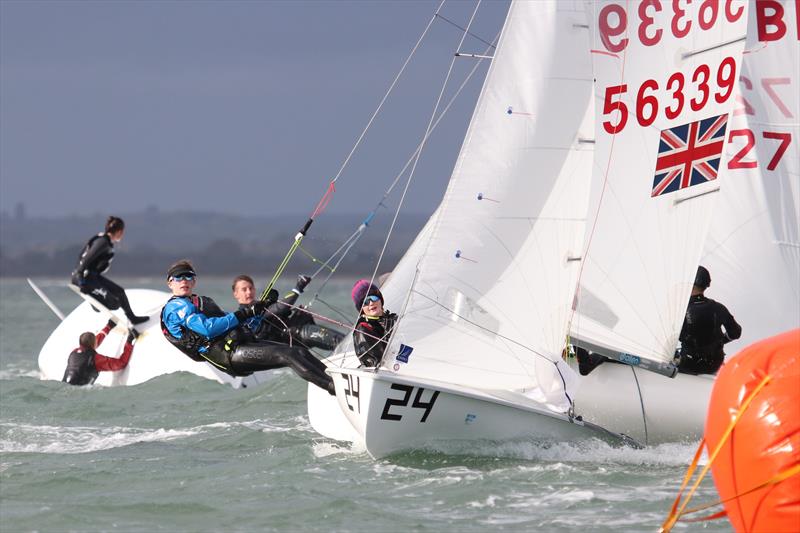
152	355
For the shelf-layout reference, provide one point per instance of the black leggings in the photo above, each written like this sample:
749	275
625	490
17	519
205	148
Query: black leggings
258	355
107	293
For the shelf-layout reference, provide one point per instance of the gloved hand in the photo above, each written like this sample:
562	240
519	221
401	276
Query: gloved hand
132	336
272	297
111	324
78	279
249	311
302	282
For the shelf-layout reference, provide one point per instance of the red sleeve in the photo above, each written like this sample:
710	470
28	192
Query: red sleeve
101	335
110	364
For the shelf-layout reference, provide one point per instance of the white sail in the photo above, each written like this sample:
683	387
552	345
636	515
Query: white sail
490	302
665	78
753	249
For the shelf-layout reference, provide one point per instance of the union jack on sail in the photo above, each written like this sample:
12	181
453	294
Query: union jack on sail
689	154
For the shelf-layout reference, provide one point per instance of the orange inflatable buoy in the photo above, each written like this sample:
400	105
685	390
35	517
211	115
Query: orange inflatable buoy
756	469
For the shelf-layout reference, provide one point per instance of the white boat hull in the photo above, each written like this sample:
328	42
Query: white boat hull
388	413
648	407
152	356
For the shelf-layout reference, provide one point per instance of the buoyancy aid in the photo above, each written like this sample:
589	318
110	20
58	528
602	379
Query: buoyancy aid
80	369
192	343
371	335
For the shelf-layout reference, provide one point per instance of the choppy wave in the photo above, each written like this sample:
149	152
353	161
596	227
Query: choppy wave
28	438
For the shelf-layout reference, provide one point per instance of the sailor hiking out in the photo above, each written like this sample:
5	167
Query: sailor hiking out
283	322
201	330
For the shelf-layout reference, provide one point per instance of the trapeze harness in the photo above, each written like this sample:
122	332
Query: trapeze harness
197	346
236	355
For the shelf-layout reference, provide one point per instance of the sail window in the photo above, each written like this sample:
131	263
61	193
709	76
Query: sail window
458	307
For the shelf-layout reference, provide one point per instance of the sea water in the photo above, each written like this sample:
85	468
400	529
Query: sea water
181	453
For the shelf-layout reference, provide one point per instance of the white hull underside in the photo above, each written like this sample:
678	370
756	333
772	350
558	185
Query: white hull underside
152	356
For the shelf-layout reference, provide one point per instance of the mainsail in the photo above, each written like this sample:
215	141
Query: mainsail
489	301
665	79
753	249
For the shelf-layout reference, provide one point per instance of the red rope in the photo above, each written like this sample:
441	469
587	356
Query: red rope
326	198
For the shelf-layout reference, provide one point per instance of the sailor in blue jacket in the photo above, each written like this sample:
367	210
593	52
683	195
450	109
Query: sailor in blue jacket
201	330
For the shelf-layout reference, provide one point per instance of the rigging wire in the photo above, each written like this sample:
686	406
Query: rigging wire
326	198
414	167
465	30
391	87
344	249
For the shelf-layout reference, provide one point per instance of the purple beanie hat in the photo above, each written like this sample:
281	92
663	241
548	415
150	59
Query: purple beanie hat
361	290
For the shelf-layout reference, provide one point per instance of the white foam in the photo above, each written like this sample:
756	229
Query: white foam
65	440
83	439
556	455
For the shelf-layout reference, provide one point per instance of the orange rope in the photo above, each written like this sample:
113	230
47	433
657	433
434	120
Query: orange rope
777	478
674	514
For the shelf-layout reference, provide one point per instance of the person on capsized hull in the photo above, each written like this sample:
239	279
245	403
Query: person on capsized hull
94	261
201	330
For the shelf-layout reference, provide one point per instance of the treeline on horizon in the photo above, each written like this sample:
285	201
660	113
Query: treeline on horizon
153	241
224	257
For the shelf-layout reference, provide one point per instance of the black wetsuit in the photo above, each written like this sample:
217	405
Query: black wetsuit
84	364
282	324
371	335
221	341
94	261
702	336
80	367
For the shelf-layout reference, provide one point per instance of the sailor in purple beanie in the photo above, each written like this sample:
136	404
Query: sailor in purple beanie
374	326
361	290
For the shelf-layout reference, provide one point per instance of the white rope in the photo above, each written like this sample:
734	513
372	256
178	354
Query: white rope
385	96
416	161
348	244
416	275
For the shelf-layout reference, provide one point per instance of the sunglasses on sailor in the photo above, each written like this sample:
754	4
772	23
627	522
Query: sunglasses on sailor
183	277
371	298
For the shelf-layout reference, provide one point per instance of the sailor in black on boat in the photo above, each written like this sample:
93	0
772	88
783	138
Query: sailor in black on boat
707	327
283	322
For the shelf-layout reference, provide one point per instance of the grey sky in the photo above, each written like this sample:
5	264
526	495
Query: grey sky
231	106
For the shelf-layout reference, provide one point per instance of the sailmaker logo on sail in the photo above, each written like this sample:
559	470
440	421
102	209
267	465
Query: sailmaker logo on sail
689	154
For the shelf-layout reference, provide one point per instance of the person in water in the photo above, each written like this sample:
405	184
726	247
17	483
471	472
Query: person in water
84	363
201	330
708	326
94	261
282	322
374	326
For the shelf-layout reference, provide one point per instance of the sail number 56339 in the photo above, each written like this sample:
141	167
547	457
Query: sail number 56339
647	103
